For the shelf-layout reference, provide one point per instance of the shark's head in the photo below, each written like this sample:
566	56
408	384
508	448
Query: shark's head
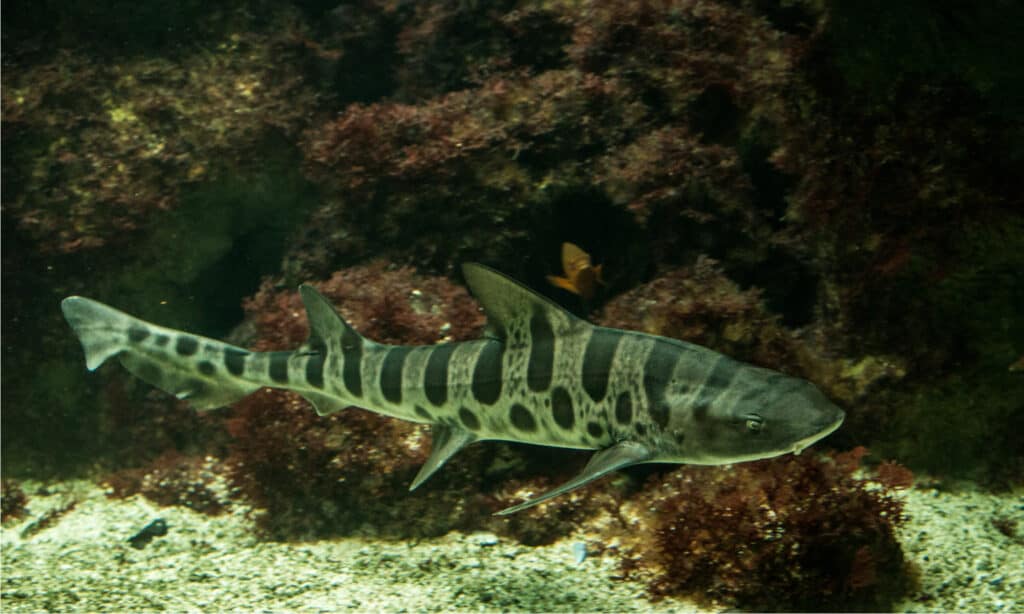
764	414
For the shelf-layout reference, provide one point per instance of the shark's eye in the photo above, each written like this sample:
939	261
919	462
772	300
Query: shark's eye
754	423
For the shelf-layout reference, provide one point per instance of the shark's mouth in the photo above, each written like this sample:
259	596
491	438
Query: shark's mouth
801	445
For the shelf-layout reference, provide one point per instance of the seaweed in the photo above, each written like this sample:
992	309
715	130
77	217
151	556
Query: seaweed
793	533
12	500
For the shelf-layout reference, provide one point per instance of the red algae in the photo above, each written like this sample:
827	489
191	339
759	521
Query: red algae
793	533
176	479
12	500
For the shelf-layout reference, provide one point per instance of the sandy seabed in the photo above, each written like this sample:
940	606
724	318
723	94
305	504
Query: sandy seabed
83	562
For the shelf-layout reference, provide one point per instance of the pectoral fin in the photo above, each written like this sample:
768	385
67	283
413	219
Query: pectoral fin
447	441
622	454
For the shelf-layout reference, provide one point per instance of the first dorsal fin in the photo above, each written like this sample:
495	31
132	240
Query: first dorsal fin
506	301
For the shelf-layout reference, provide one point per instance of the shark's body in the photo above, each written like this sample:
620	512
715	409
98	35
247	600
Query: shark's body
540	375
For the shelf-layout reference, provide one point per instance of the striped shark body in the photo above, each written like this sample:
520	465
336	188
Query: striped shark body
539	375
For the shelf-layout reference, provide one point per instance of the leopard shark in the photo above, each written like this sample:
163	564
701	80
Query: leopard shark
539	375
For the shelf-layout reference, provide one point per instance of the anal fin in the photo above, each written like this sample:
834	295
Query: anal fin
325	404
622	454
447	440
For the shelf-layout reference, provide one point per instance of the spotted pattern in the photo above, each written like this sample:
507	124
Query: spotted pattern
435	376
279	366
595	430
486	384
521	418
561	408
541	364
423	413
315	369
469	419
624	409
137	334
597	361
391	373
234	361
352	353
716	382
206	367
161	340
657	375
186	345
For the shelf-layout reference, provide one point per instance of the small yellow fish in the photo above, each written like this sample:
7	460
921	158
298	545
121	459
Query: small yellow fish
581	276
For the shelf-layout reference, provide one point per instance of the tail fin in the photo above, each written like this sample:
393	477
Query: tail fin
100	329
191	375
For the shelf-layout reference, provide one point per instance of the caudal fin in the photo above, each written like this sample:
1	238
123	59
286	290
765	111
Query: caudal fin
100	329
205	372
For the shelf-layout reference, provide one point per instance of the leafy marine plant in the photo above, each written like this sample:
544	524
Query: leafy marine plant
12	500
792	533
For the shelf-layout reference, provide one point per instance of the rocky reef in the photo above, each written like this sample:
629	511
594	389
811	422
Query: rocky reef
758	178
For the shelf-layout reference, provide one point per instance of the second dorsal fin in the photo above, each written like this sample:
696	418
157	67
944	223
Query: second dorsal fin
324	321
509	303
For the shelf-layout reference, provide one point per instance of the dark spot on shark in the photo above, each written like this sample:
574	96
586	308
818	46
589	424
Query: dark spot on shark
186	345
595	430
469	419
279	366
597	361
149	372
161	340
624	409
194	388
716	382
352	360
680	437
315	369
561	408
657	373
641	429
234	360
486	384
660	411
541	364
435	376
137	334
521	418
206	367
423	413
391	373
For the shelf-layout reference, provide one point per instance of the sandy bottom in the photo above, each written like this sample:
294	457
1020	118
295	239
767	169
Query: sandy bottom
83	562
